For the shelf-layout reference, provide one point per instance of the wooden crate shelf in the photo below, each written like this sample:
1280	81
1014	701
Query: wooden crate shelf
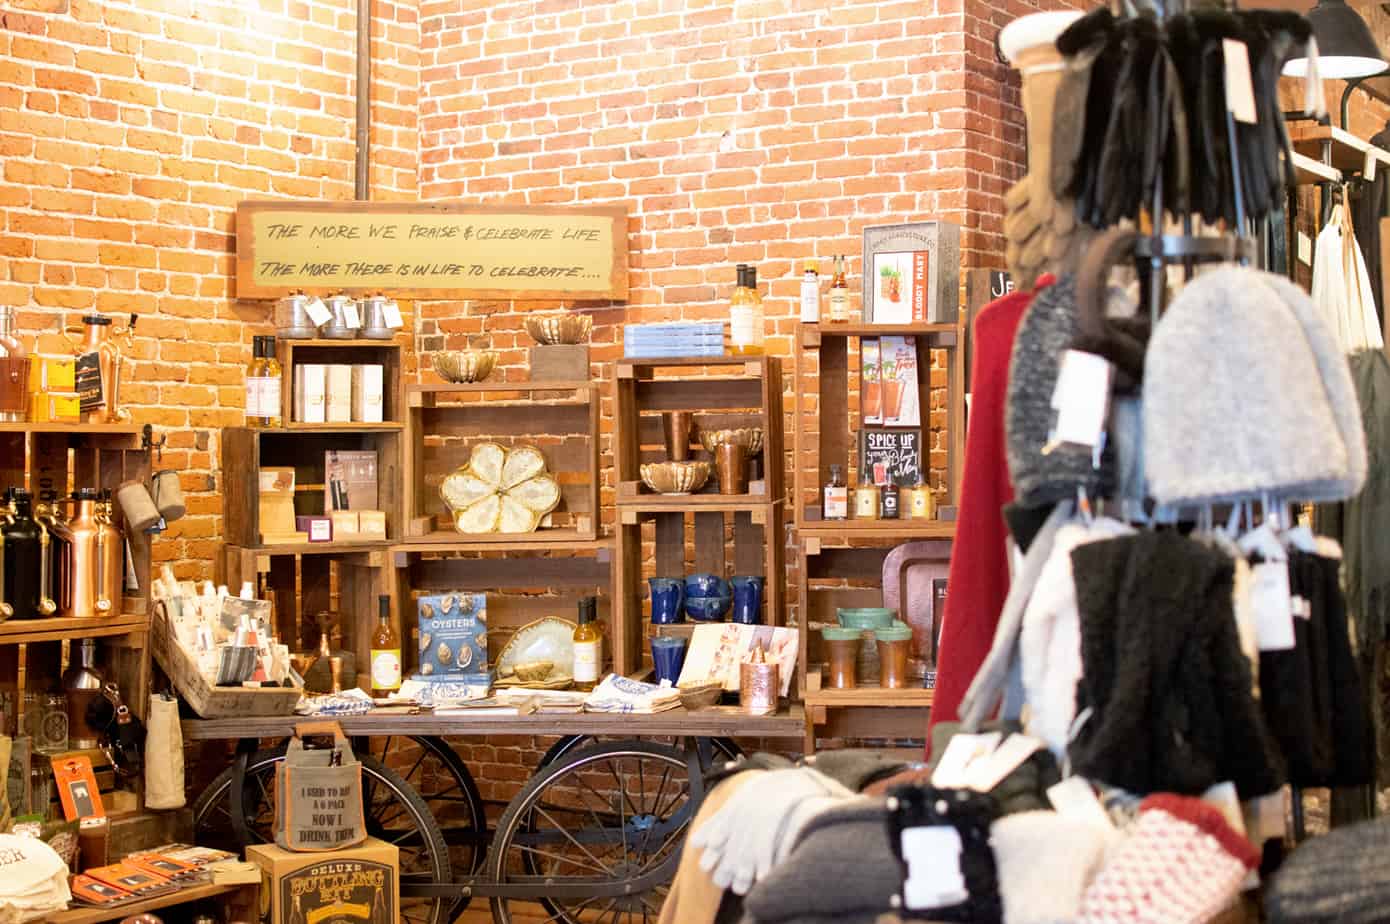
246	450
845	532
386	353
522	585
26	631
863	712
444	422
342	427
542	540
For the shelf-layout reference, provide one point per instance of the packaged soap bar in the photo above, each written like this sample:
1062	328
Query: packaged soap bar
310	395
339	393
368	398
453	634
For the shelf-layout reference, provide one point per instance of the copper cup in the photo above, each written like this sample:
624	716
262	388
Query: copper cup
676	426
731	461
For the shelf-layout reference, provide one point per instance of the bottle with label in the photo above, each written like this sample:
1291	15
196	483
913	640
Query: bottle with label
835	505
386	652
588	645
921	502
263	385
888	500
810	293
866	499
839	293
746	315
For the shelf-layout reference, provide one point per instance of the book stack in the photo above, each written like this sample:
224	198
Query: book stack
674	339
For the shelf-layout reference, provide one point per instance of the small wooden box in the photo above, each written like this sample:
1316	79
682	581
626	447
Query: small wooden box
560	362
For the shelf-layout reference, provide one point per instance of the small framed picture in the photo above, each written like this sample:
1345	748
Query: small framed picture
912	273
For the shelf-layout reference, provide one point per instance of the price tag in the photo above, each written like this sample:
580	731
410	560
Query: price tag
1273	606
392	313
318	312
1305	249
1080	398
1240	93
1368	170
1074	798
1223	797
987	772
952	771
350	316
934	878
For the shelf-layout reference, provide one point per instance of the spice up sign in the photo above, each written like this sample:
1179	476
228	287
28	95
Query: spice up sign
433	250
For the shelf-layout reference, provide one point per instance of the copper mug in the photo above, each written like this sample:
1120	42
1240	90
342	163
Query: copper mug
676	426
731	459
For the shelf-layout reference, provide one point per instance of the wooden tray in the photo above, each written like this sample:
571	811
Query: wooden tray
204	698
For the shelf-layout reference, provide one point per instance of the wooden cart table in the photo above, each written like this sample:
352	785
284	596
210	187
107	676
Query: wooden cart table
597	830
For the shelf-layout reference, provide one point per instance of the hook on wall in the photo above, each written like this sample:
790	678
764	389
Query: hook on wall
150	444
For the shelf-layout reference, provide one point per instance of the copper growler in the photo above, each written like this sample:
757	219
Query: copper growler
98	338
110	558
81	558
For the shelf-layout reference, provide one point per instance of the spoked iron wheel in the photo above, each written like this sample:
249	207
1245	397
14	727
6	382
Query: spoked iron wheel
600	815
442	780
721	748
394	814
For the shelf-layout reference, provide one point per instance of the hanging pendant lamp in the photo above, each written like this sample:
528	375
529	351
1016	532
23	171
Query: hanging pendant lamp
1346	48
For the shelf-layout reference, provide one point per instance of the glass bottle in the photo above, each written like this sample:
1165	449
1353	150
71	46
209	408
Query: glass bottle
588	645
82	683
835	504
746	315
21	558
263	385
866	499
839	293
889	500
386	652
921	502
51	733
810	293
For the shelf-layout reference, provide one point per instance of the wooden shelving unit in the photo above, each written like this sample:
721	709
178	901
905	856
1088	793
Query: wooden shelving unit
840	563
387	353
730	534
60	458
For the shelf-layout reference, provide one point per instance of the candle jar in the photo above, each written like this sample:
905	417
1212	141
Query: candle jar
894	652
842	655
758	686
921	502
866	500
51	736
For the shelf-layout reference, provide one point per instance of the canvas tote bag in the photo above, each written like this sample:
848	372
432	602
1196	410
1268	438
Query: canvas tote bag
318	793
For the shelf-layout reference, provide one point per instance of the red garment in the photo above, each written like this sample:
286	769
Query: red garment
979	575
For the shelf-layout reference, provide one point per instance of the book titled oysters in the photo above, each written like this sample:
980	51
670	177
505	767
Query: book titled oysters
453	635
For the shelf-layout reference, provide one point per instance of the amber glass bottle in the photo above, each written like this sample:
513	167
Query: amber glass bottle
588	645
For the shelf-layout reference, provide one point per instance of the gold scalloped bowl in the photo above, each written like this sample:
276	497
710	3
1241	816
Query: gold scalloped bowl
559	327
750	437
675	477
462	366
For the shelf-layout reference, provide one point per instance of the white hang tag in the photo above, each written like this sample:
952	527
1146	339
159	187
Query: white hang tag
934	878
1305	249
1080	398
1273	605
1223	797
952	771
1301	607
391	312
318	312
987	772
1368	170
1074	798
350	317
1240	92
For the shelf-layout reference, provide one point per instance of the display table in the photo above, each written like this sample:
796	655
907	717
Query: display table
243	897
718	722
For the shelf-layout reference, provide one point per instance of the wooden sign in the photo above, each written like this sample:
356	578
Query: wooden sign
431	250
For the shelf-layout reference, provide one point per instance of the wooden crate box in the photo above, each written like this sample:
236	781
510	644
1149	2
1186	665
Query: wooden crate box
445	422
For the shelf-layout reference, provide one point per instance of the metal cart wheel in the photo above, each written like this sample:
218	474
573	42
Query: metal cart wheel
724	748
442	780
604	813
393	810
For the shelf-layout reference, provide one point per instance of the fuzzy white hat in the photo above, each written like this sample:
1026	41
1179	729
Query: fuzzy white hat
1045	861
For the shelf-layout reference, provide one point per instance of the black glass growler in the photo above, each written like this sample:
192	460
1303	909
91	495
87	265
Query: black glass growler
19	594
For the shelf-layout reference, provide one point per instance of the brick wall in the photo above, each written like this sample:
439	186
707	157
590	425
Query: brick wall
129	131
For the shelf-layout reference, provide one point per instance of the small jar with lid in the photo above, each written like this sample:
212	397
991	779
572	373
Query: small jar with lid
841	656
894	652
920	502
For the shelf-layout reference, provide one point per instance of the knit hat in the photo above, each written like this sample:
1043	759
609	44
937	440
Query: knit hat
1245	392
1337	877
1045	861
1180	864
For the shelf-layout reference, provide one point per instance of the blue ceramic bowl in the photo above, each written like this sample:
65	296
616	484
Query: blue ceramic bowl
707	609
707	585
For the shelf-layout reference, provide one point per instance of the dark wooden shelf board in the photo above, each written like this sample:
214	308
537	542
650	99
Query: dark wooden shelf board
84	915
828	532
78	429
542	540
389	426
879	697
20	631
358	343
319	548
721	721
